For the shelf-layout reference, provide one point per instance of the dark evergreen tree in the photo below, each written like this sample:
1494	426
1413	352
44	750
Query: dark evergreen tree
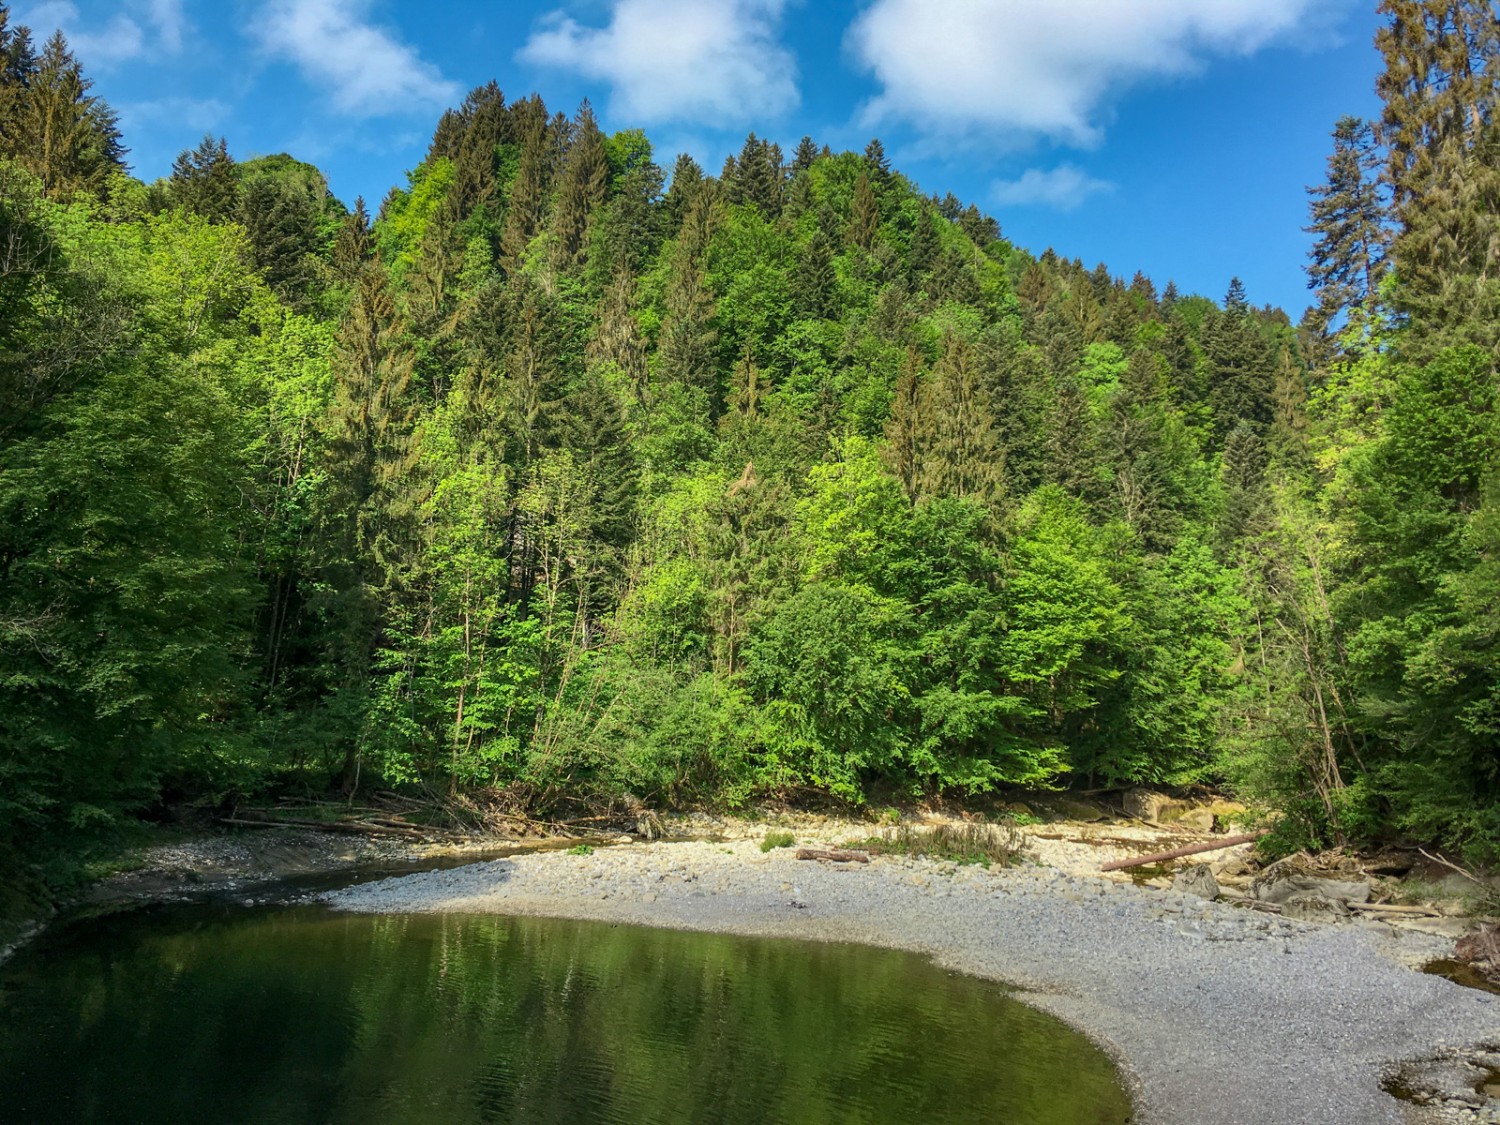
353	245
864	215
528	193
804	157
1442	133
63	135
204	181
1350	221
581	188
687	176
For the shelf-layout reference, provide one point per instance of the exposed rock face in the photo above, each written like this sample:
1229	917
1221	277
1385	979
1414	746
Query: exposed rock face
1196	880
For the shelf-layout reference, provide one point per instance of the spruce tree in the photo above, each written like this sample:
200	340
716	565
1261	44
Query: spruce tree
864	215
18	66
1441	131
582	186
66	137
687	177
805	156
280	218
960	451
685	352
204	181
354	244
528	192
814	284
1239	369
1349	218
758	178
618	338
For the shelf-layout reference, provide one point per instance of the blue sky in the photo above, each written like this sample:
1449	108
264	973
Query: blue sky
1170	136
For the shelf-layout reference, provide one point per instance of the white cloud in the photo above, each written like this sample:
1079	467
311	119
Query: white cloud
199	116
94	45
709	61
366	69
1062	188
1016	69
103	45
167	18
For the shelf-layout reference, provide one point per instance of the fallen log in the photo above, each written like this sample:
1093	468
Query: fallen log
833	855
1394	908
327	826
1178	853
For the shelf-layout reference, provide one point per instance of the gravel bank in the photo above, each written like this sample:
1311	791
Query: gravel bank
1218	1016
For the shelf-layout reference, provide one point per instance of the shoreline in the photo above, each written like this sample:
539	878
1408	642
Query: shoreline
1214	1015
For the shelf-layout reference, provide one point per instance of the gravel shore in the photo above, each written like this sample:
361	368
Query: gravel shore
1216	1015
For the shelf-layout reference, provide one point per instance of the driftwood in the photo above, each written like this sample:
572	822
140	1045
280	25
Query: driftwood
1451	866
833	855
356	827
1394	908
1178	853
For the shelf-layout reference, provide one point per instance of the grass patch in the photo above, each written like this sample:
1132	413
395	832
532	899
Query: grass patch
778	840
581	849
969	842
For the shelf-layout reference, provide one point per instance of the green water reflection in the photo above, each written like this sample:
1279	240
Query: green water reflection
304	1016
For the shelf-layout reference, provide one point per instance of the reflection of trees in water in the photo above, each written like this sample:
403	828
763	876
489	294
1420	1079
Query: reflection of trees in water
296	1016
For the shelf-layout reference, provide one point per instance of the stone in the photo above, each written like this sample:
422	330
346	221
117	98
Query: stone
1287	877
1153	807
1064	807
1200	819
1196	879
1310	906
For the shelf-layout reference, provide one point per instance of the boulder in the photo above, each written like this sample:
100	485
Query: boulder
1198	880
1288	877
1200	819
1310	906
1153	807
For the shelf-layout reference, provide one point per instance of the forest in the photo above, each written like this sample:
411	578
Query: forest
573	475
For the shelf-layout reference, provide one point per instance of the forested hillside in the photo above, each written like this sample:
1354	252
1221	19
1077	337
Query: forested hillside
576	473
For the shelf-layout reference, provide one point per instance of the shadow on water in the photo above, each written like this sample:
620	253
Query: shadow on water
293	1015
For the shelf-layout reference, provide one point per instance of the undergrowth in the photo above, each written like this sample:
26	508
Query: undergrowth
968	842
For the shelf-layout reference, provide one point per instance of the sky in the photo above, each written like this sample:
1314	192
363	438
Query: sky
1175	137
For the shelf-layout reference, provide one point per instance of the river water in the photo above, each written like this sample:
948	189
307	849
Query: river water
299	1015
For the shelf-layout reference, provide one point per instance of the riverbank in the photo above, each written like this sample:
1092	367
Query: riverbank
1217	1015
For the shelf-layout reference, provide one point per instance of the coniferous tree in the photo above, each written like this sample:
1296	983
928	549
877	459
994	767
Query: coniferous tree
805	156
1441	131
864	215
687	177
528	192
1349	218
757	177
581	189
18	66
353	245
619	340
814	283
204	181
961	455
1240	371
685	352
65	136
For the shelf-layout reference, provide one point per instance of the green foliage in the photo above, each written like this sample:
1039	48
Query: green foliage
792	482
775	840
